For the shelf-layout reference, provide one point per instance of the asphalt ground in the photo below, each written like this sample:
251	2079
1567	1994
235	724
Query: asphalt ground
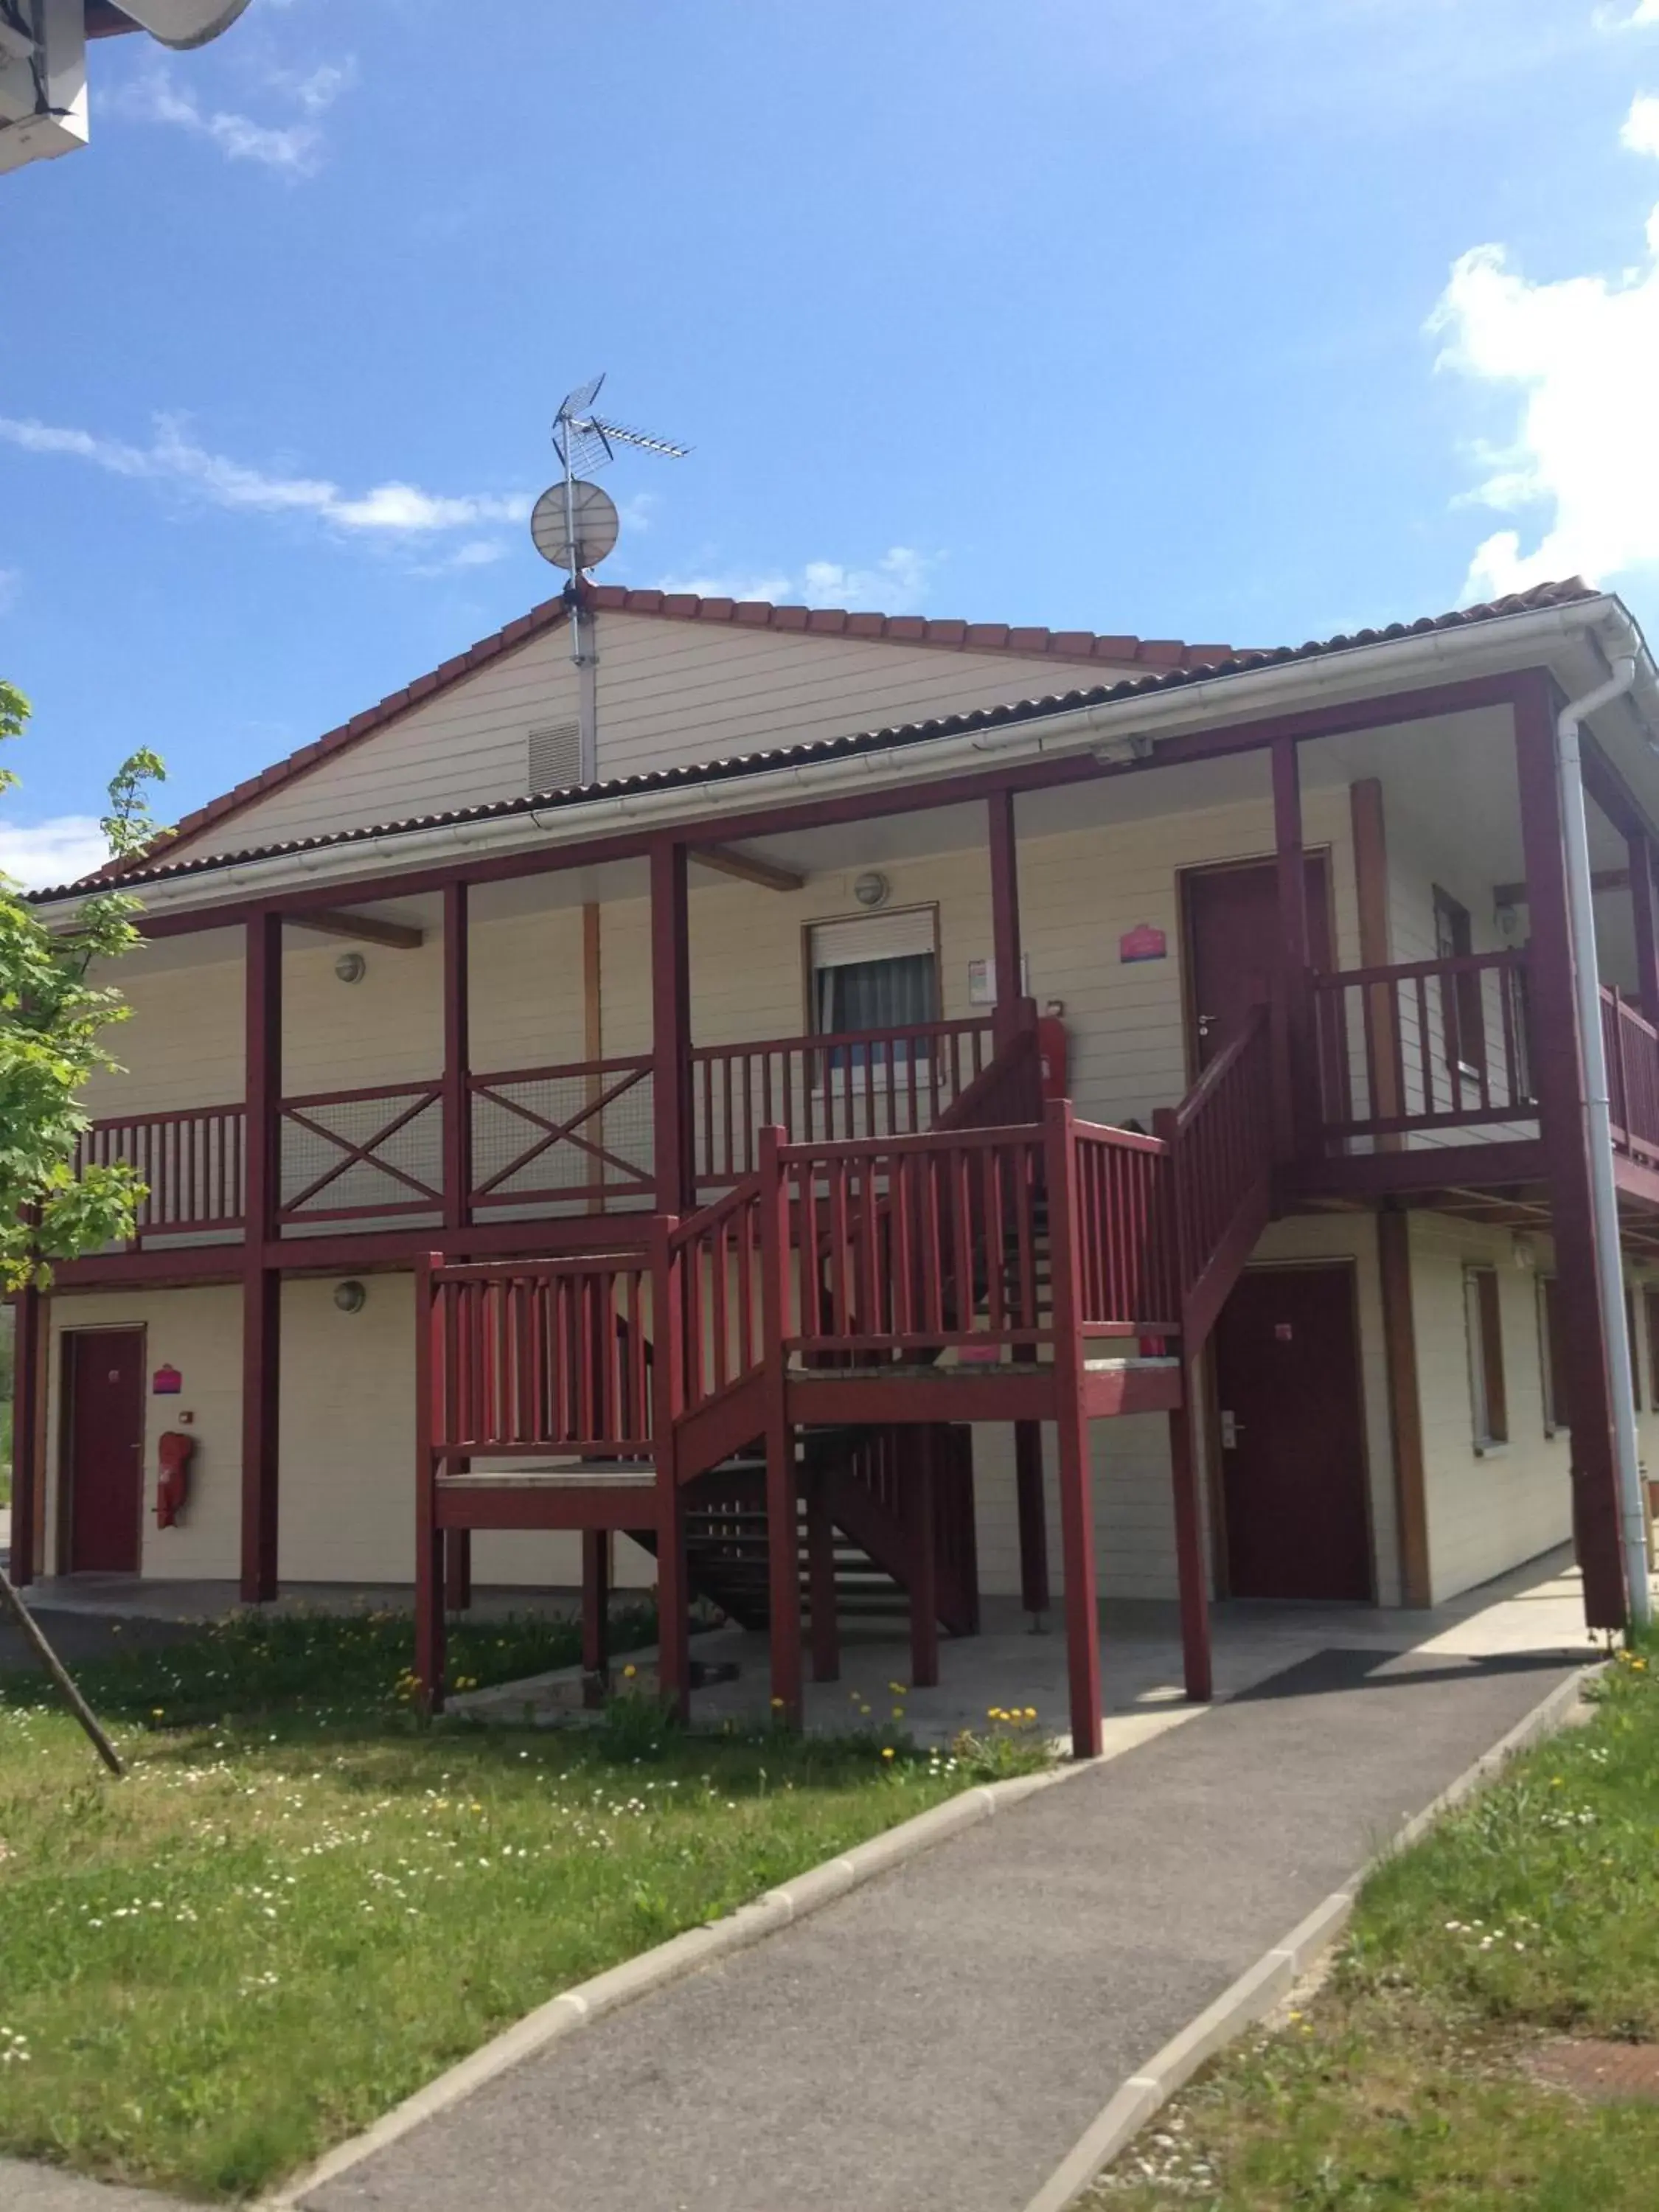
938	2041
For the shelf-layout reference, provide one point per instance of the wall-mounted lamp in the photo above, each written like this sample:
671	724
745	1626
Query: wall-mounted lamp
351	1298
351	967
871	889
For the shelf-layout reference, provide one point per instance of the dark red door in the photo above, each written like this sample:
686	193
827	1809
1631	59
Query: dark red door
1234	943
104	1459
1292	1436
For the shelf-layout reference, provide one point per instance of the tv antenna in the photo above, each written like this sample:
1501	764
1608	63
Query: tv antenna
575	524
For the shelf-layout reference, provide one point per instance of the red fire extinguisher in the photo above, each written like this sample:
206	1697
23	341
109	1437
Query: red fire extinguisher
172	1491
1052	1045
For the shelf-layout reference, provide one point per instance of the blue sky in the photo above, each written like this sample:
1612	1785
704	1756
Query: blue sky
1224	319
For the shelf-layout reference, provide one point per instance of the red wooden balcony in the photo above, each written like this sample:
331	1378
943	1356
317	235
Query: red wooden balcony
554	1142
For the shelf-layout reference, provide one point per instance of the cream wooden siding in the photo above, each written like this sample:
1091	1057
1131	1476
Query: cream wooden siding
1487	1512
669	693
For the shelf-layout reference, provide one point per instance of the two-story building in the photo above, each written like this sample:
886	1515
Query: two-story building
814	1103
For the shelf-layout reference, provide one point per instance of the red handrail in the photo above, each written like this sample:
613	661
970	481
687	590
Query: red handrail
1424	1044
1221	1145
544	1357
855	1083
910	1244
1126	1277
1631	1046
715	1290
190	1161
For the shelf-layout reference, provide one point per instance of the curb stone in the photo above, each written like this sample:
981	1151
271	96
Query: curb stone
1260	1987
682	1954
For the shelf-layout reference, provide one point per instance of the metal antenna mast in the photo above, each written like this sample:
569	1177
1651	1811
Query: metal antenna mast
574	525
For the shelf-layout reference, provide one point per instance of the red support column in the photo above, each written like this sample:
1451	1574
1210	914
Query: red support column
428	1537
668	1395
922	1449
1292	1057
1005	913
596	1600
782	1533
1640	851
261	1284
670	1028
1076	1520
1558	1078
1031	1509
1190	1565
457	1569
29	1351
457	1068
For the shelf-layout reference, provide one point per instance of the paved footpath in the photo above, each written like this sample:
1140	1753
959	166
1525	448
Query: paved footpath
937	2041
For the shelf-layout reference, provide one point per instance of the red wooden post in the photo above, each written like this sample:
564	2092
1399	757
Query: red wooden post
458	1069
1031	1507
457	1568
922	1474
667	1403
1296	1070
261	1284
1557	1080
428	1537
1189	1540
782	1533
1639	850
596	1600
820	1580
1005	915
29	1347
670	1028
1077	1522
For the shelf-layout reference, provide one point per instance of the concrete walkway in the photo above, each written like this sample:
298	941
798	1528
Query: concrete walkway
937	2041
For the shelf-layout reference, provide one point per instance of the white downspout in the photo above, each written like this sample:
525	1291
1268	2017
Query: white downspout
1604	1200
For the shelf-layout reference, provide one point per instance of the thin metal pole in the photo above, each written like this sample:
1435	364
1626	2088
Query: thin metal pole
60	1675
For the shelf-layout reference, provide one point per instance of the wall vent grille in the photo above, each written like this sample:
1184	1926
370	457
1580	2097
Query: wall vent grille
555	761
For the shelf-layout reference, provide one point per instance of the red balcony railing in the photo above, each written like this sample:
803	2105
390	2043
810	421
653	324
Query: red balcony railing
1128	1280
362	1155
1631	1045
193	1164
1431	1044
829	1089
581	1134
542	1358
715	1290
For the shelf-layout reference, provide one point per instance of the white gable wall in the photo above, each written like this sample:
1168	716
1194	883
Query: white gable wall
670	693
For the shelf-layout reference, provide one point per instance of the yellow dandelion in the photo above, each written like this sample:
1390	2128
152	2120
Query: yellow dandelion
1031	1712
777	1705
629	1671
887	1751
155	1712
898	1712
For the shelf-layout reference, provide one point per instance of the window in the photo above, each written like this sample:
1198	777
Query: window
1484	1323
1462	1010
877	972
1556	1415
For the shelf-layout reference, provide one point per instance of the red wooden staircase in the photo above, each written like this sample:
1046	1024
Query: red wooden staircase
807	1355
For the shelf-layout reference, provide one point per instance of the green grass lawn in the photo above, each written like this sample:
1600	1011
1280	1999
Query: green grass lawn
302	1903
1530	1915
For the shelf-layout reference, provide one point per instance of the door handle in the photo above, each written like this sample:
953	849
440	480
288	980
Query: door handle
1232	1431
1206	1023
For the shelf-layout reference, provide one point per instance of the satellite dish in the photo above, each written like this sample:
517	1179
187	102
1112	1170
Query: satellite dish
595	519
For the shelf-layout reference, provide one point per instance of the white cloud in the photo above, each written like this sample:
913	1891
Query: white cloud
895	584
1583	354
1610	19
155	98
41	855
1641	130
390	512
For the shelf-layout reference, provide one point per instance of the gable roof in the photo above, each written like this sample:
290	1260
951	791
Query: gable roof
1069	645
1540	599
